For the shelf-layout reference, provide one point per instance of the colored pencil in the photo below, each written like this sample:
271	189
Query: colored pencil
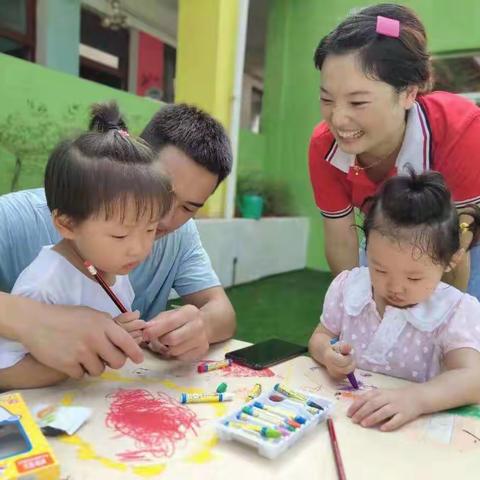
95	274
336	450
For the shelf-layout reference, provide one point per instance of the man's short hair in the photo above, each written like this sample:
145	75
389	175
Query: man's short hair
195	133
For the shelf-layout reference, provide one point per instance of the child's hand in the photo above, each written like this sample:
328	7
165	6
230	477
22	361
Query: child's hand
130	322
338	361
158	347
392	408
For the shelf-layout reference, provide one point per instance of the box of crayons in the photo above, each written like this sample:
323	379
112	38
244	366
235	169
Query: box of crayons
275	420
24	451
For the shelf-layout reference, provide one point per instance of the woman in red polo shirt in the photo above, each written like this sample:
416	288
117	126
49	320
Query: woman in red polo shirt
378	119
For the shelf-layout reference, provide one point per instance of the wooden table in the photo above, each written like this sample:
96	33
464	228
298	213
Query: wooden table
113	445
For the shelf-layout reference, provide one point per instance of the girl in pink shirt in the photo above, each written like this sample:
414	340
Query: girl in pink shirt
397	317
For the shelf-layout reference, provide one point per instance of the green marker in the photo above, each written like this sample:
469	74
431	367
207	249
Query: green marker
222	388
263	431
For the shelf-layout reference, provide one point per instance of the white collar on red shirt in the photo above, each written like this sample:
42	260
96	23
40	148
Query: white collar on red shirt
415	150
425	316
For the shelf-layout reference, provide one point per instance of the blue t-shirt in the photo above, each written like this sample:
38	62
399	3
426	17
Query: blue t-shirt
178	260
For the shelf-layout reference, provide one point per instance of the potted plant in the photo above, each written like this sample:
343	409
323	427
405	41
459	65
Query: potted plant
257	197
250	195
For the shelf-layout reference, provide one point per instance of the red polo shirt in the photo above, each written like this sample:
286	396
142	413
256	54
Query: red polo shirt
442	134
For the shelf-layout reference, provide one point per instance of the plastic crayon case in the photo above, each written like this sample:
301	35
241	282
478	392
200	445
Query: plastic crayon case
274	426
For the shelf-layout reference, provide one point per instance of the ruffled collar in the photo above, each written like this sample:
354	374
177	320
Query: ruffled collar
426	316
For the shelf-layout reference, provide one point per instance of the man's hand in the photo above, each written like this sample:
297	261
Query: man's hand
75	340
179	333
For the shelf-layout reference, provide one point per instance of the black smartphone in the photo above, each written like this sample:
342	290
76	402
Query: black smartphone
265	354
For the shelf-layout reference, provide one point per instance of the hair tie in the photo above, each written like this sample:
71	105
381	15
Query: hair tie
464	227
388	27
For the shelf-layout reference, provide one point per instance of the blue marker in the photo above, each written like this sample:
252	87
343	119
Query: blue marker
280	412
350	376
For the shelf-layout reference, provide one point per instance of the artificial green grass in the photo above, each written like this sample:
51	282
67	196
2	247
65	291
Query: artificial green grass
286	306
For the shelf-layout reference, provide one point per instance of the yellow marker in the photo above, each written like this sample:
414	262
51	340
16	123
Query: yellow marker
254	392
288	392
205	397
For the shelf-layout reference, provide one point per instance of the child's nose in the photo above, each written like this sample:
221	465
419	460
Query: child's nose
395	287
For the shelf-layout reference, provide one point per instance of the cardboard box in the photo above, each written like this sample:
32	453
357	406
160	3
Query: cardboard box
24	451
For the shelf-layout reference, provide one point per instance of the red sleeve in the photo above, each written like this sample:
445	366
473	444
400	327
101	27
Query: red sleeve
458	160
455	126
330	186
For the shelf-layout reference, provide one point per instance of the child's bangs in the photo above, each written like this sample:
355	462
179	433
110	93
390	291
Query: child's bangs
130	192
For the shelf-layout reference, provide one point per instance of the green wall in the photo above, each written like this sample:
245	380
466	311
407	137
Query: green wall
251	151
39	106
290	103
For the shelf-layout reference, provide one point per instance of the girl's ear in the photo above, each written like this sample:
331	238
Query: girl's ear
64	224
457	257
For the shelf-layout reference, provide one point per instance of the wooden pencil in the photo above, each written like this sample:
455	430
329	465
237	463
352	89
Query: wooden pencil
94	272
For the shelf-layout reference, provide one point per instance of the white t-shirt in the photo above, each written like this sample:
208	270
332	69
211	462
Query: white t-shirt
51	278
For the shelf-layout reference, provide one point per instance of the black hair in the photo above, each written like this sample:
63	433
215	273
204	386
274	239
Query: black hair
418	209
400	62
100	171
195	133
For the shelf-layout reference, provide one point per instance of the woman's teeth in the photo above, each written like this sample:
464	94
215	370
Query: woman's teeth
350	134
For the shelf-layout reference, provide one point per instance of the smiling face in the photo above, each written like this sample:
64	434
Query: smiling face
192	185
401	275
366	116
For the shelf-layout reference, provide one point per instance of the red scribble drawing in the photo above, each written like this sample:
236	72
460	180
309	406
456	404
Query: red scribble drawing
155	421
235	370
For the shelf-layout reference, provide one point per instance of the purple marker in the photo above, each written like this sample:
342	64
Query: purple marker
350	376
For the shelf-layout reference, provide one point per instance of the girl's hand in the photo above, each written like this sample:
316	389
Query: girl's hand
130	322
338	360
391	408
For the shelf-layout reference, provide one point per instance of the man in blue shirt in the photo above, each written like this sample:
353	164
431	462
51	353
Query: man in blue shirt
195	151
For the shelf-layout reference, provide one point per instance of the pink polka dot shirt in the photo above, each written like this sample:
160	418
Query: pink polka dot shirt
408	343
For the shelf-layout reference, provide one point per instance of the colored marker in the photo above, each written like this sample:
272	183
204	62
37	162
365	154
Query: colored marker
350	376
222	388
281	411
205	397
263	431
311	410
297	396
254	392
288	392
314	405
255	412
263	423
276	417
208	367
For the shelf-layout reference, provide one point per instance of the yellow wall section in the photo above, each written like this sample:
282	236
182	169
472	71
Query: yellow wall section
207	37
